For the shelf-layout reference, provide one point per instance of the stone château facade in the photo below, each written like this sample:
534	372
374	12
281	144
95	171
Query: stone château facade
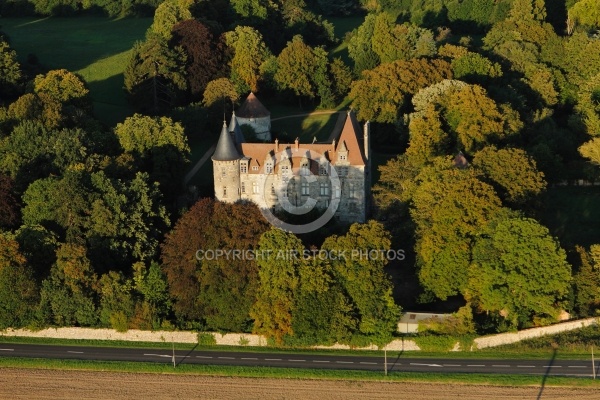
287	176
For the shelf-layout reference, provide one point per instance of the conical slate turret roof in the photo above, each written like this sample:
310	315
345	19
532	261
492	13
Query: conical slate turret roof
252	108
225	150
235	130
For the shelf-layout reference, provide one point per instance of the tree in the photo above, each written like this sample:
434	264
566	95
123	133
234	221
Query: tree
205	53
512	171
586	281
361	255
9	205
322	314
278	280
155	76
202	284
116	301
64	87
10	71
588	105
449	206
296	68
151	283
586	12
470	118
18	291
168	14
393	42
160	146
68	294
34	151
524	281
382	92
360	46
249	53
219	90
591	150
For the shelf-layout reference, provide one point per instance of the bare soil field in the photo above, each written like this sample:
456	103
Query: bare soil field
60	384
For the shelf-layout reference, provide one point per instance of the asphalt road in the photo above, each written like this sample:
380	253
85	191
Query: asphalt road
299	360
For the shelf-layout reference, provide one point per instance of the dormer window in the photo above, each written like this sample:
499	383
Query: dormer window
304	169
285	169
244	168
254	168
269	168
343	157
323	169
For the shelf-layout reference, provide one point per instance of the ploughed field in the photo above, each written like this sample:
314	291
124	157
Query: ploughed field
63	384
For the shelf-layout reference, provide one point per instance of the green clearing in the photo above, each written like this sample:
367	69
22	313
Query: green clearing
290	373
572	214
95	48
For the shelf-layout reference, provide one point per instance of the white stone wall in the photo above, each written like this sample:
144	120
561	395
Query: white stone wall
513	337
135	335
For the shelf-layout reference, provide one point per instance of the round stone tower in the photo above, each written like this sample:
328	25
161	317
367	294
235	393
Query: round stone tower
226	168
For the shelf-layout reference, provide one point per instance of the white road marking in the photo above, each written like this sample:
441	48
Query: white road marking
249	358
451	365
7	349
345	362
475	365
296	360
552	366
75	352
370	363
272	359
227	358
501	365
203	357
426	365
321	361
525	366
577	366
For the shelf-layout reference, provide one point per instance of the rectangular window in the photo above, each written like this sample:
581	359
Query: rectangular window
352	192
255	168
225	192
337	192
272	188
342	157
244	168
343	171
285	169
323	170
269	168
254	187
324	189
223	172
304	170
243	187
305	188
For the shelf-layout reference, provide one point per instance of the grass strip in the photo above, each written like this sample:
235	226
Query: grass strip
293	373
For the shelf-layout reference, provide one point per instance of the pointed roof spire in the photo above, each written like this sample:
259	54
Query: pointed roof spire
349	138
252	108
234	128
225	150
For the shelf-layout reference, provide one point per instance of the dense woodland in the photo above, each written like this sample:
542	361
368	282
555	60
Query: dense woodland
96	230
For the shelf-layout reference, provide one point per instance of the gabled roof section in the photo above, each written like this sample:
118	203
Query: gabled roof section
236	131
351	139
225	150
252	108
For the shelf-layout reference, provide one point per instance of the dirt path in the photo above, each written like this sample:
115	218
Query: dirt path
199	164
307	114
49	384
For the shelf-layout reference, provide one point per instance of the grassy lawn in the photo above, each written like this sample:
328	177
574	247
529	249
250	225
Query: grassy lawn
572	214
95	48
341	27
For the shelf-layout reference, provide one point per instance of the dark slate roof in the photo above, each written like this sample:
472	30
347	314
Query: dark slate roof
252	108
236	131
225	150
